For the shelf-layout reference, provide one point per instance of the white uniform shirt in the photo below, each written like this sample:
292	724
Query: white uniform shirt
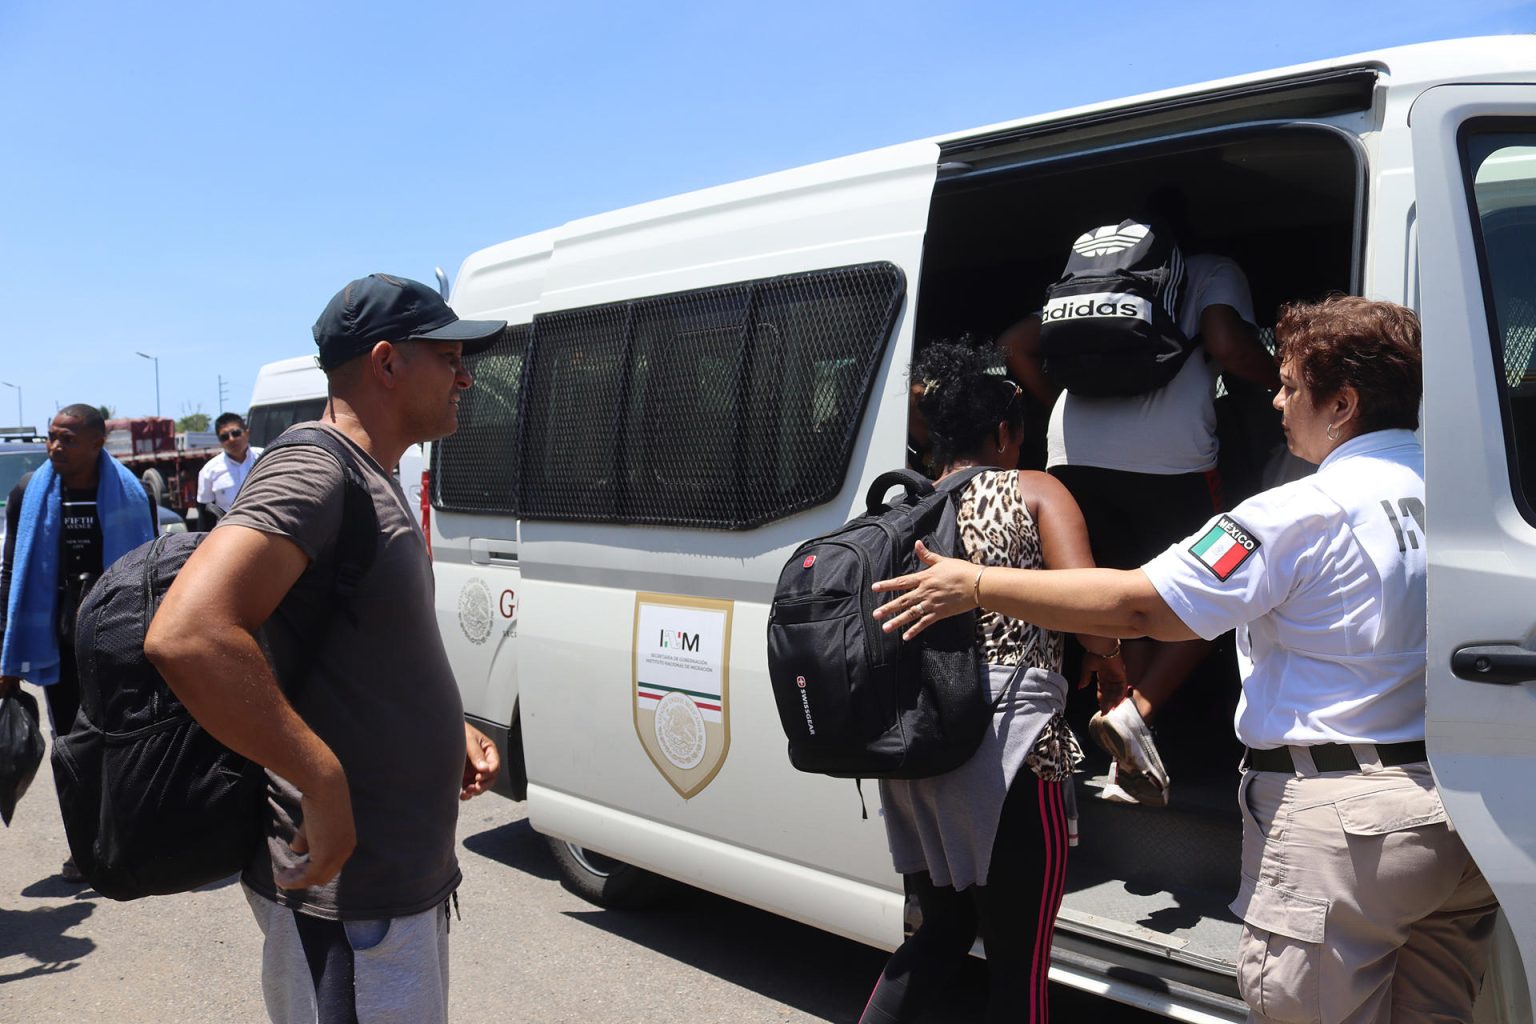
220	478
1326	578
1168	431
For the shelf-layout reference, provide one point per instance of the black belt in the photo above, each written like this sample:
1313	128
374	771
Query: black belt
1336	757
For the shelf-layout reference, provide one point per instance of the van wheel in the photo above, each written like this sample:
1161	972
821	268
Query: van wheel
607	882
154	483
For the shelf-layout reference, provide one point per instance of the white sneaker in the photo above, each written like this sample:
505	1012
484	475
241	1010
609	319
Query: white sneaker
1112	790
1139	770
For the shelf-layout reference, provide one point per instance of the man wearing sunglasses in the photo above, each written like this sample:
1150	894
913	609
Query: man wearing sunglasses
220	478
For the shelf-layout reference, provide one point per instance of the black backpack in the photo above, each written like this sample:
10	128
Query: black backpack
151	803
1110	324
855	701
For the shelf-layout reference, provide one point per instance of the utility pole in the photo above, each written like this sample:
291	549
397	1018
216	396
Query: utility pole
223	395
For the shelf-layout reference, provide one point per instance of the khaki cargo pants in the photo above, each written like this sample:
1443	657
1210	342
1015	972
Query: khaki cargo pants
1359	903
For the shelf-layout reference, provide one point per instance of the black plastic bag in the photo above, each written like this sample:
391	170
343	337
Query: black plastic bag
21	749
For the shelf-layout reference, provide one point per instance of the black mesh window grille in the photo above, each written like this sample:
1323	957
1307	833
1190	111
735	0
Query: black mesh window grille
475	468
725	408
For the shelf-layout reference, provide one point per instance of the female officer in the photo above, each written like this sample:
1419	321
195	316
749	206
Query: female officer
1359	903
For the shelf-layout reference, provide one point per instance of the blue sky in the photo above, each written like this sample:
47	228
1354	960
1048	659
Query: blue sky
194	180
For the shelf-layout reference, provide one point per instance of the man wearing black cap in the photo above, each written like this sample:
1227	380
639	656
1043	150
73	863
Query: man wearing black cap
366	770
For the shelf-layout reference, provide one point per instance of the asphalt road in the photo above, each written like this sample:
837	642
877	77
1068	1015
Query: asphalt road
525	949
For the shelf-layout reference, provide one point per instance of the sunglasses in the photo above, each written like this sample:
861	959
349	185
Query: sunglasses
230	435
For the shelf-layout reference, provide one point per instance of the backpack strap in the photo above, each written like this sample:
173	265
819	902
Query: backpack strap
358	541
961	477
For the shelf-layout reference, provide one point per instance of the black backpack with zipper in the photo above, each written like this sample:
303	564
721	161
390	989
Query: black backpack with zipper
1110	323
152	804
855	701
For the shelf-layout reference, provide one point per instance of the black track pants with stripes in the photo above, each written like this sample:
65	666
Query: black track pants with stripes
1014	913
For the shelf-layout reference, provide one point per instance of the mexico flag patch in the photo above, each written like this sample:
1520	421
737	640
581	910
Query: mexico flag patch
1224	547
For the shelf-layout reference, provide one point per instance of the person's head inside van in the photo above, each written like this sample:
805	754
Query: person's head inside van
972	414
1348	366
393	353
234	438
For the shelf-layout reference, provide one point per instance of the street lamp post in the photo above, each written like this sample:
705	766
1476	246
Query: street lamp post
19	421
156	361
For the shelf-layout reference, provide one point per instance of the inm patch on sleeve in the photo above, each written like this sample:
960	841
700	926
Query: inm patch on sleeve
1224	547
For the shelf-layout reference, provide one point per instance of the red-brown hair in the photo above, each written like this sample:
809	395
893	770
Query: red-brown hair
1369	345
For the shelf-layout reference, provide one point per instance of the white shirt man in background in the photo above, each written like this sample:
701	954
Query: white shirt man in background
220	478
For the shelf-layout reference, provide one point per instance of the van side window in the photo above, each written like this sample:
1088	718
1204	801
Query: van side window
268	421
475	468
725	408
1500	161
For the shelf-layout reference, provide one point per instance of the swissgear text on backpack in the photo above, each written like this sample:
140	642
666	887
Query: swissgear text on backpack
855	701
1110	324
152	804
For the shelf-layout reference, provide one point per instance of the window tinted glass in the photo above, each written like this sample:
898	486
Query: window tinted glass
727	407
268	421
1502	169
475	469
16	464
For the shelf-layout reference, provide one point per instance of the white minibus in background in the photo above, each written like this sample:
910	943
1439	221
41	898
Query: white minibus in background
291	391
689	388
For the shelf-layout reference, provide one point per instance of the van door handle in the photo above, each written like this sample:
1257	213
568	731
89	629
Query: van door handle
1505	664
485	551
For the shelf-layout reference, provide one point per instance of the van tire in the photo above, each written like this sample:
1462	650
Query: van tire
604	881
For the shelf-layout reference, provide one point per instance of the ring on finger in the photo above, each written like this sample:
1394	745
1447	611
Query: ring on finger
919	609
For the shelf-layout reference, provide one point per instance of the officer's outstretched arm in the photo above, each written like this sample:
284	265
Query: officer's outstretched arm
1102	602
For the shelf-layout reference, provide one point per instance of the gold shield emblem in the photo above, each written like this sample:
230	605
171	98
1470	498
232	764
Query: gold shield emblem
682	658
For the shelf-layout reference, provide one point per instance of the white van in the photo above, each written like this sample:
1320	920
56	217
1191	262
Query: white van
691	387
291	391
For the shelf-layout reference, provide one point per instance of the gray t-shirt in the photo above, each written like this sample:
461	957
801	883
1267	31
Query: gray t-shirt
1171	430
379	691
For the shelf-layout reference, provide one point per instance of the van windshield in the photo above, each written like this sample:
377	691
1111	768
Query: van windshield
15	465
268	421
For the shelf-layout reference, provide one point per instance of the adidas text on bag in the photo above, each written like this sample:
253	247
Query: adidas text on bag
854	700
1109	326
151	803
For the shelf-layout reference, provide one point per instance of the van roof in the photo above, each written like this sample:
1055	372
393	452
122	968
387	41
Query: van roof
505	280
288	380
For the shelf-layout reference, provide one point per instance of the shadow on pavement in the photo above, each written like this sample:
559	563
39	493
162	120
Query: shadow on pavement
811	970
56	888
516	845
38	935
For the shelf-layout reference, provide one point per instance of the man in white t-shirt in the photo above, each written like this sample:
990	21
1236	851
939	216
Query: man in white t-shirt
1142	470
221	476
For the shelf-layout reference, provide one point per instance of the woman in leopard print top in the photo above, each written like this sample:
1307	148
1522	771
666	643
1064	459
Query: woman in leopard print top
983	847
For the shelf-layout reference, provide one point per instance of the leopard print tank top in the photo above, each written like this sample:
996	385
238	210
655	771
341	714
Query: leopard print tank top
997	529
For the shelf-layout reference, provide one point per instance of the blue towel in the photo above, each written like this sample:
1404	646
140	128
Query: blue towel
31	634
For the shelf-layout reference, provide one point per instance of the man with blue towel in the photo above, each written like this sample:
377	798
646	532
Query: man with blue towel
66	522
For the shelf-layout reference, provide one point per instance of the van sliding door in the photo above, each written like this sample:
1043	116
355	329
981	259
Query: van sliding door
1474	149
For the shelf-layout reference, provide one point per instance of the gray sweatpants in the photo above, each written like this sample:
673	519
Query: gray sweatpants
390	971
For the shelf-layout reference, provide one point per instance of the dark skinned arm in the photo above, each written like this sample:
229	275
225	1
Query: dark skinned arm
1234	343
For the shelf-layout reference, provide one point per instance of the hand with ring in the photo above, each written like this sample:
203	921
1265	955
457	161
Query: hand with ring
942	589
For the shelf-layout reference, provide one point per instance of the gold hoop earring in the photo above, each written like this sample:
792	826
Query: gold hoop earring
1000	448
1331	435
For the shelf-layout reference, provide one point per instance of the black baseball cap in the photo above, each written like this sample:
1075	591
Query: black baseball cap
381	307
